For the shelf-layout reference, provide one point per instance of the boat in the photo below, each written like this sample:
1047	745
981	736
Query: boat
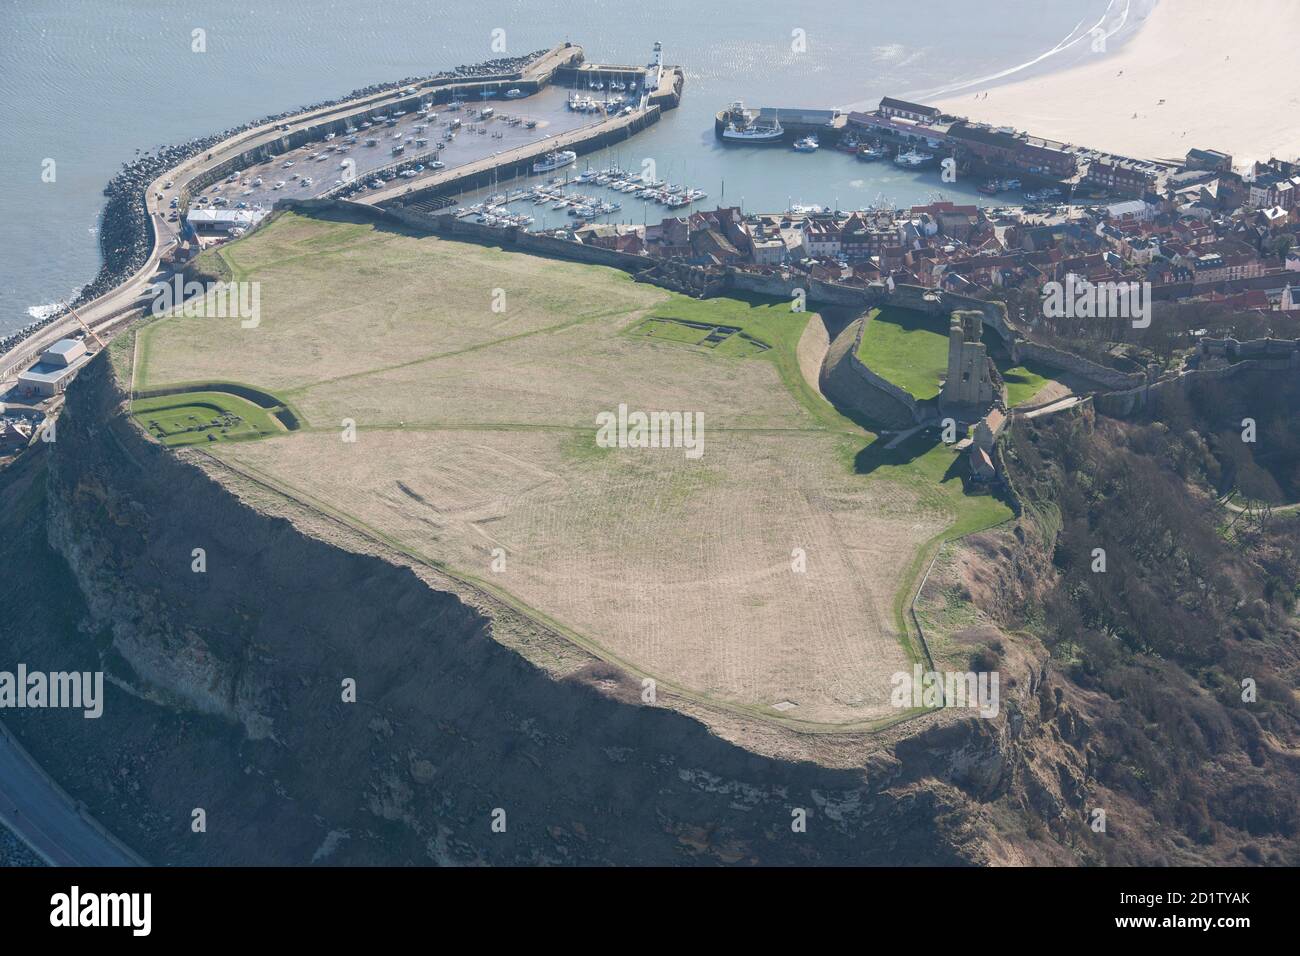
752	132
913	159
869	154
990	188
515	94
555	160
486	112
399	149
808	144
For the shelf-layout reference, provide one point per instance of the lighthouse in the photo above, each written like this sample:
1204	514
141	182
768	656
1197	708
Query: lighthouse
655	71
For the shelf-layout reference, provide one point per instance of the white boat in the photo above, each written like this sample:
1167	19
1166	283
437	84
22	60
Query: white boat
555	160
754	133
913	158
515	94
808	144
871	153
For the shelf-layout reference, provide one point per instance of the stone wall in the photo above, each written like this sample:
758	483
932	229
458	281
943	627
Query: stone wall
1122	404
850	384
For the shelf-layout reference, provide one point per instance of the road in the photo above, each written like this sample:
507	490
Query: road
47	819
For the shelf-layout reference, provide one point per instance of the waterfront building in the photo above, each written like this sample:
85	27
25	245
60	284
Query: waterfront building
916	112
57	366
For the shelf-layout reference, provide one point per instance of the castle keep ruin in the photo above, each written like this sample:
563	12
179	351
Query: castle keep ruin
969	381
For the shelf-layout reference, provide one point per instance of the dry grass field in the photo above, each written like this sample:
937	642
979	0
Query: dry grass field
476	440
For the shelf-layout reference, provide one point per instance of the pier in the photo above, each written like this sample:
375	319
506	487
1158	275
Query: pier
518	161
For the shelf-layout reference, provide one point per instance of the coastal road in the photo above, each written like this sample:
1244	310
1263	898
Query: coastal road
45	818
133	292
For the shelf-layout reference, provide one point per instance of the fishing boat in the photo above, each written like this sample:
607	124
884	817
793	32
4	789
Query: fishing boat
753	132
808	144
869	154
913	159
555	160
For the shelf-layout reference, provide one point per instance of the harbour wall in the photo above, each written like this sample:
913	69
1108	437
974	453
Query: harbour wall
438	90
487	171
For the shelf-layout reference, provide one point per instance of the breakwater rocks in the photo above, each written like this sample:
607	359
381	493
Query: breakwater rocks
125	232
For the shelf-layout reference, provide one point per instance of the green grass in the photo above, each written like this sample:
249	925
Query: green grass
721	338
768	331
193	418
1024	382
907	347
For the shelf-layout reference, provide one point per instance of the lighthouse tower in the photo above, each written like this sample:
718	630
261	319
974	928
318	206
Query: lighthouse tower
655	72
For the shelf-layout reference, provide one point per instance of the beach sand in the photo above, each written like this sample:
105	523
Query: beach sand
1222	70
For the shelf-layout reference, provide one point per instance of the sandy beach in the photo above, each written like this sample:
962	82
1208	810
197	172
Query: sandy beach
1196	73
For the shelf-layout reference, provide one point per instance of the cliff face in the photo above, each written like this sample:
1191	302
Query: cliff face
225	693
227	696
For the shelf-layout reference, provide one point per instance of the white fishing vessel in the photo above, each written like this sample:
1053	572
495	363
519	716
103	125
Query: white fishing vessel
753	132
808	144
913	158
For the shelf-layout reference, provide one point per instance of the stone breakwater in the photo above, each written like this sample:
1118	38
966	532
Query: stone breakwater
125	233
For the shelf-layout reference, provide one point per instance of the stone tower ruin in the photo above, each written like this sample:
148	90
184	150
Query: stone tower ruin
969	381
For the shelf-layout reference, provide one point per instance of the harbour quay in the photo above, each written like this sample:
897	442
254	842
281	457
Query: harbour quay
635	101
919	136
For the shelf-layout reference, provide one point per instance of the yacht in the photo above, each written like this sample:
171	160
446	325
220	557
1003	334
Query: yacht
555	160
515	94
